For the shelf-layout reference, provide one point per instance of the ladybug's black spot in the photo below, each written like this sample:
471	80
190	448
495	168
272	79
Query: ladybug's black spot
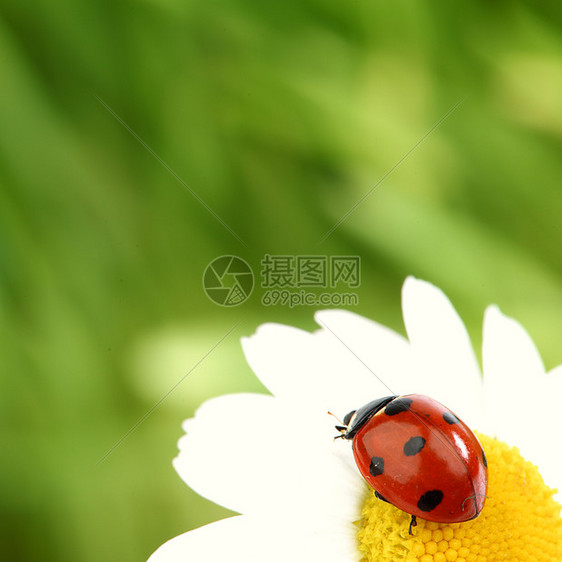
376	467
484	459
413	446
381	497
450	418
397	405
430	500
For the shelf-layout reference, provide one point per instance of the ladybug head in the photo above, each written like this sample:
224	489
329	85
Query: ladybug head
344	429
348	417
356	419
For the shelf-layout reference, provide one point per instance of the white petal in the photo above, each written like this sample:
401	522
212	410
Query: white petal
249	453
384	352
522	400
508	344
446	366
244	539
316	372
550	461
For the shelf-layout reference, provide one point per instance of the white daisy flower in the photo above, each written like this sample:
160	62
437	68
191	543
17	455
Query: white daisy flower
300	495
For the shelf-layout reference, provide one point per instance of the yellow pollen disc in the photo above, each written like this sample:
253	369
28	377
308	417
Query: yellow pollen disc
520	521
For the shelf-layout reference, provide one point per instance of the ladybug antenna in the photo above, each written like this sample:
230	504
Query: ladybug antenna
342	428
473	497
338	419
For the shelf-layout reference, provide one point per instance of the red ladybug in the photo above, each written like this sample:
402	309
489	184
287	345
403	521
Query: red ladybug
418	456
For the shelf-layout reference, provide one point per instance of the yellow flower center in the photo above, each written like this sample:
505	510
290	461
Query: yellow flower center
520	521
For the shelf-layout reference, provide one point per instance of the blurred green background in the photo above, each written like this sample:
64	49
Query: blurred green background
280	116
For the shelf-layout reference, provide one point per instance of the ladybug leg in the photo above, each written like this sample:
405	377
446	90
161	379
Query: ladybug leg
343	430
413	523
413	520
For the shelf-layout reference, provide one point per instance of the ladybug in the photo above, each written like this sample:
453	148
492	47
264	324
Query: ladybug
420	457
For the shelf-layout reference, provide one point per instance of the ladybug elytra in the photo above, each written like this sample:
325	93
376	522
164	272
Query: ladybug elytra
417	455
